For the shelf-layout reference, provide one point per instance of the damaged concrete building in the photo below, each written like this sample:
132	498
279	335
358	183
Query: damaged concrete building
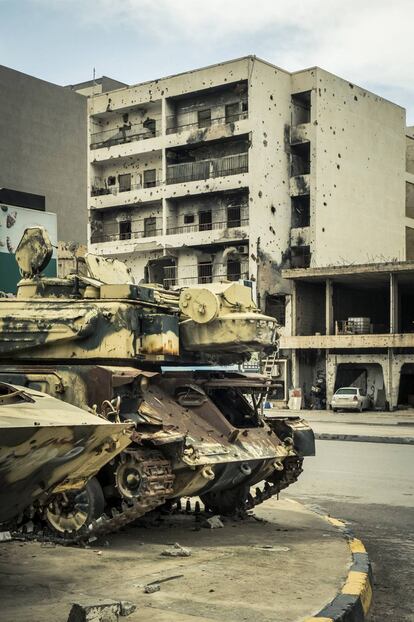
355	326
243	170
240	169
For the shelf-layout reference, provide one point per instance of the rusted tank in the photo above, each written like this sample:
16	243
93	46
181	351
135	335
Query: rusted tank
50	452
98	338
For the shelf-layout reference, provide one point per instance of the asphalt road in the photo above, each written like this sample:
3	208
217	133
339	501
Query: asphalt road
371	485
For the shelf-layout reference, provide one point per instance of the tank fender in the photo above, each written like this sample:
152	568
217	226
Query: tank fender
298	429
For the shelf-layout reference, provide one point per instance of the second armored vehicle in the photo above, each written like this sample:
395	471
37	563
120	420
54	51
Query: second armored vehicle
50	452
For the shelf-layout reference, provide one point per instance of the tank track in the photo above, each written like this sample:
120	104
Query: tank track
243	502
157	483
289	475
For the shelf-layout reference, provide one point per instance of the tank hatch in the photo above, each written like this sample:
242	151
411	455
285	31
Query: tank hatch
34	251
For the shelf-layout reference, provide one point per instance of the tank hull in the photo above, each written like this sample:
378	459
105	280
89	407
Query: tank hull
200	422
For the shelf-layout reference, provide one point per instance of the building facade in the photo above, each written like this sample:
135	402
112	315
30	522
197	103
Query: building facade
241	169
354	325
43	148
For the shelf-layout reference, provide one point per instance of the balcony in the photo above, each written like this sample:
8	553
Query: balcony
343	342
125	230
205	272
213	226
116	189
187	123
119	136
205	169
101	238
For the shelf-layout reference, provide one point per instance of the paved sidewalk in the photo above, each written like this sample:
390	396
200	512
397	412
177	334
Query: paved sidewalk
288	567
376	427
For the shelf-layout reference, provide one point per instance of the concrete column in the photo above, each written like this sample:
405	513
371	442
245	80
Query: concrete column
392	372
165	211
329	319
331	366
394	306
295	369
293	302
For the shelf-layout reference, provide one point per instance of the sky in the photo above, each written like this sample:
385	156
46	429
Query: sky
367	42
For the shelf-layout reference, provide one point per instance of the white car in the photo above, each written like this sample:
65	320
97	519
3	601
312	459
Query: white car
350	398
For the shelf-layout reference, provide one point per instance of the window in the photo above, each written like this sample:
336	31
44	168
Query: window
150	125
276	307
300	211
300	159
124	182
189	219
233	270
124	229
301	108
205	221
111	180
205	272
300	257
233	216
245	108
150	178
232	112
150	227
204	118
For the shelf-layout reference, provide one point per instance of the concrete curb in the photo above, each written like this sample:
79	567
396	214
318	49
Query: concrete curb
361	438
353	602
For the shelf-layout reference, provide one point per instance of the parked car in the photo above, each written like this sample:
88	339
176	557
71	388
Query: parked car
350	398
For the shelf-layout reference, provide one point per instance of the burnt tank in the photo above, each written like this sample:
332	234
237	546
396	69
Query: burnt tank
98	338
50	452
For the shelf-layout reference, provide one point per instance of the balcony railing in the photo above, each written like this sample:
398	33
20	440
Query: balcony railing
96	191
212	226
99	238
118	136
204	169
187	123
205	272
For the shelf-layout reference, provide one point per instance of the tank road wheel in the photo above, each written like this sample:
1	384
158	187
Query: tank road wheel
68	512
227	502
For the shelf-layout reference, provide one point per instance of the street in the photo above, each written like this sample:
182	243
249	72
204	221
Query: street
371	486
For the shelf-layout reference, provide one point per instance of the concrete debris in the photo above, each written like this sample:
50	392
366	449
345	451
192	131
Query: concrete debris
100	610
5	536
126	608
177	551
270	547
214	522
29	526
153	587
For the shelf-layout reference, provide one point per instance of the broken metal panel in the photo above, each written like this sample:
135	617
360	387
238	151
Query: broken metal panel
47	445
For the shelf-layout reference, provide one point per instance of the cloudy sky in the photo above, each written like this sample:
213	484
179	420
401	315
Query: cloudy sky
368	42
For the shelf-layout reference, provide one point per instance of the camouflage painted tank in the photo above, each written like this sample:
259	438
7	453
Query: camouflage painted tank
94	338
50	452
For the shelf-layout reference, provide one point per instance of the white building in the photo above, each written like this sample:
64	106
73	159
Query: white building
240	169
